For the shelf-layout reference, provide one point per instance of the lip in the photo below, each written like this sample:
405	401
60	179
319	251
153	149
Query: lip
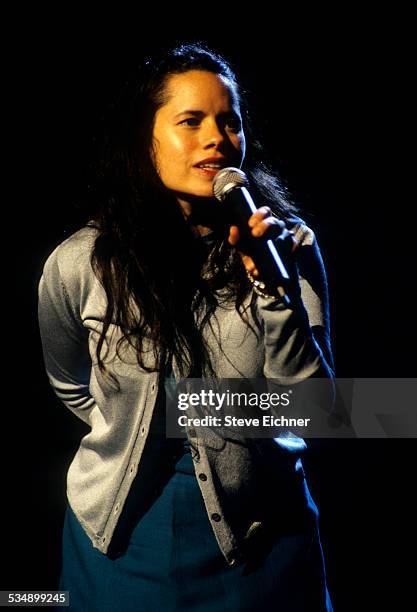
213	160
207	171
210	172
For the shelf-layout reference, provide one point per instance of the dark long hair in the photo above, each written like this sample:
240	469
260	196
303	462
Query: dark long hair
162	283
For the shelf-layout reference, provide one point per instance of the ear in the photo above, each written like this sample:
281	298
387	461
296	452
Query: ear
153	153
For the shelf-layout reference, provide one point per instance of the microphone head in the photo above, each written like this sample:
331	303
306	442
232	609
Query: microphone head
227	179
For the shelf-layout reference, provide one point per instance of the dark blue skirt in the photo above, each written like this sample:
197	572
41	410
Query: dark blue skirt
172	562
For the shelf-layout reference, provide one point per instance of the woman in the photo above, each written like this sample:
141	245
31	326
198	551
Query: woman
156	289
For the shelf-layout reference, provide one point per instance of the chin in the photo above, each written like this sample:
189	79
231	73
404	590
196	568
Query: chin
205	192
205	196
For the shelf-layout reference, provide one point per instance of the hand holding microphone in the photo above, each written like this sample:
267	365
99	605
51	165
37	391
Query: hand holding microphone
252	231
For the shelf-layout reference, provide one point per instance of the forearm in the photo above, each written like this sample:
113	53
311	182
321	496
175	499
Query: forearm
291	351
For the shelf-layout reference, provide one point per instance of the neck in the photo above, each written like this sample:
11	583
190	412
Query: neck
203	214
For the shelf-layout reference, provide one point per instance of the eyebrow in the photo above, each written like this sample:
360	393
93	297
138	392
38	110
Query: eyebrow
199	113
196	113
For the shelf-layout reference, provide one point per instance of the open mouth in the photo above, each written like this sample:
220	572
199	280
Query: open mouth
208	170
210	167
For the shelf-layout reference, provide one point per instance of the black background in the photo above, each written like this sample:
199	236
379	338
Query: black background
331	94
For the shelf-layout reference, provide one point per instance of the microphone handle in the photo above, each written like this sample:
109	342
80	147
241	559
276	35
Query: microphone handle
239	206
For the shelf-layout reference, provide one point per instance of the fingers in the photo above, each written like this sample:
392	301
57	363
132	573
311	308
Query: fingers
260	214
234	235
263	223
250	265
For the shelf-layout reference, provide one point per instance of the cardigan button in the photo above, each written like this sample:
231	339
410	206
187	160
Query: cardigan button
202	477
216	517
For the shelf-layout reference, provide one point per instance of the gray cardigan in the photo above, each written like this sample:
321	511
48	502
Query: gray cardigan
72	303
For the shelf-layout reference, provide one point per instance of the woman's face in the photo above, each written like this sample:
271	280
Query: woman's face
200	121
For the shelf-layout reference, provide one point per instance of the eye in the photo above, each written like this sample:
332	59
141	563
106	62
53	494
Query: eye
191	122
234	125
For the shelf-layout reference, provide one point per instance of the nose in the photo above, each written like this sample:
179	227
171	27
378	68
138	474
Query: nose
213	136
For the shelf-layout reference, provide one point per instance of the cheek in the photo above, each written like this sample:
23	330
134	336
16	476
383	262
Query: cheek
173	143
173	157
175	153
165	145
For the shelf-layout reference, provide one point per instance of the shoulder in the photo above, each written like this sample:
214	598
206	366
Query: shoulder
76	249
73	255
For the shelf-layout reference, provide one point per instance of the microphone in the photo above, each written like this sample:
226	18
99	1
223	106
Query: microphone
230	188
